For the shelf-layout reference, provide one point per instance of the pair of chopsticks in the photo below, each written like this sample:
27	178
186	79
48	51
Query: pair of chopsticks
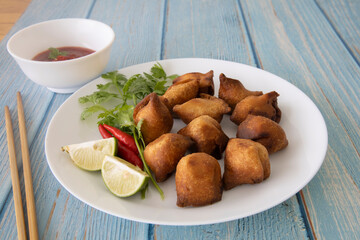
29	193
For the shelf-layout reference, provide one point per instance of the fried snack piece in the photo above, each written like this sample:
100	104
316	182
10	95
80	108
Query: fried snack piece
157	118
233	91
263	130
180	92
198	180
264	105
207	134
163	154
245	161
205	105
205	80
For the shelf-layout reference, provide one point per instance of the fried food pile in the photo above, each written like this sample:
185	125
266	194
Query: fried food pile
194	151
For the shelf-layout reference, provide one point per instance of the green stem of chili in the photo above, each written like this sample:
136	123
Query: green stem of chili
141	152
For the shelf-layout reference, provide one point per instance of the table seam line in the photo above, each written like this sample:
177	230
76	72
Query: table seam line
337	33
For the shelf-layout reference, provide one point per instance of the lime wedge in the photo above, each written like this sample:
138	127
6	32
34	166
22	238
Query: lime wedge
121	177
90	155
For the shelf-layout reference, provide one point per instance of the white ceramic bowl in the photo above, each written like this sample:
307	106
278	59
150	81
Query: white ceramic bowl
62	76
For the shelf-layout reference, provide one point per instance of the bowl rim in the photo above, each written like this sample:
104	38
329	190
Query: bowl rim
111	41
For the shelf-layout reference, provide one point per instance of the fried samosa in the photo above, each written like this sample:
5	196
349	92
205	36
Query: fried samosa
263	130
264	105
245	161
205	80
205	105
233	91
163	154
157	117
198	180
180	92
207	134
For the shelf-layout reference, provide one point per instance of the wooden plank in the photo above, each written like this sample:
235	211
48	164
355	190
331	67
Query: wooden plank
332	86
10	11
92	223
138	29
61	215
36	98
333	200
39	11
345	19
312	57
36	102
316	48
222	34
252	227
217	31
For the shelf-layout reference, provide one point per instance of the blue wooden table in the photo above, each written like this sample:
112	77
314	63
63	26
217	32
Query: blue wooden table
314	44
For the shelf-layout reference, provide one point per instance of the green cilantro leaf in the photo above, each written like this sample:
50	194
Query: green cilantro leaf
115	98
54	53
158	71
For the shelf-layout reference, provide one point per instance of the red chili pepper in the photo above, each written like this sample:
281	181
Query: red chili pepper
123	152
130	156
124	138
104	133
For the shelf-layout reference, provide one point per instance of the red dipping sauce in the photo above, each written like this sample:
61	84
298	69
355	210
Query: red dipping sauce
62	54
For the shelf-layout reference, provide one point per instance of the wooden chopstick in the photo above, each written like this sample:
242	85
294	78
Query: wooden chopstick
29	192
19	213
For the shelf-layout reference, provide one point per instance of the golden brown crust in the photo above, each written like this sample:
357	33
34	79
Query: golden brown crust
205	105
157	118
264	131
233	91
245	162
198	180
205	80
163	154
180	92
263	105
207	134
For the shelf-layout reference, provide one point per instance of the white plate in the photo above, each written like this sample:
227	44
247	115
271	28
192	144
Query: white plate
291	168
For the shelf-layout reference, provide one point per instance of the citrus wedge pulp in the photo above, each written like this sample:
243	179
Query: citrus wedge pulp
90	155
122	178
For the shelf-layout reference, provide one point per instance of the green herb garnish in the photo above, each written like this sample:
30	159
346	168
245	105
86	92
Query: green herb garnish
140	143
122	94
54	53
115	101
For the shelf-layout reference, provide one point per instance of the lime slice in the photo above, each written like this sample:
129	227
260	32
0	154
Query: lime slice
121	177
90	155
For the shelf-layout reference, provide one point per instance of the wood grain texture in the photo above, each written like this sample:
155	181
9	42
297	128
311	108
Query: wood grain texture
252	227
138	29
15	180
319	63
36	98
304	42
315	60
76	218
10	11
208	29
61	215
344	17
29	192
225	38
333	195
